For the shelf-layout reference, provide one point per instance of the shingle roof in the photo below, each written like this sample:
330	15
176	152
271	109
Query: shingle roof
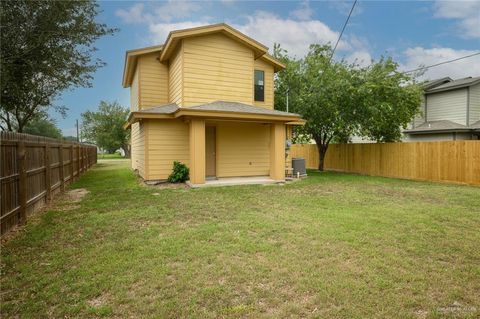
455	84
434	83
225	106
162	109
442	125
219	106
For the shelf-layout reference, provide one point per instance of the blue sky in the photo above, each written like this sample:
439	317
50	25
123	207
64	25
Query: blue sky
414	33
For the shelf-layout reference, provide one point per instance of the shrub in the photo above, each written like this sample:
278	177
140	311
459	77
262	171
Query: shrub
180	173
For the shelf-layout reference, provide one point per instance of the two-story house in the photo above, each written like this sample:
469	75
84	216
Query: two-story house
450	111
205	98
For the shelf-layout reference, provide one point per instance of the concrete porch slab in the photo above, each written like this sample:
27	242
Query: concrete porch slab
235	181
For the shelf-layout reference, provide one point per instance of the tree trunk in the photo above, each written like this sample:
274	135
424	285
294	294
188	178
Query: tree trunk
126	149
322	146
322	150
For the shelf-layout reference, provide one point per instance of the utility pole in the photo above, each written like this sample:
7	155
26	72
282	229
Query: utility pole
78	137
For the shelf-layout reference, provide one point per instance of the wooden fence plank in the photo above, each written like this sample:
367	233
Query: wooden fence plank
31	168
22	181
448	161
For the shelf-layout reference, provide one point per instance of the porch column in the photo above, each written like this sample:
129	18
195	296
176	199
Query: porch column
197	151
277	151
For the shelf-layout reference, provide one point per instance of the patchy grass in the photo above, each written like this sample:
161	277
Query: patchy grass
331	246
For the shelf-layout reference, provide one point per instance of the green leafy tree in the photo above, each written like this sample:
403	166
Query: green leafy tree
43	127
105	127
390	100
339	100
46	48
327	100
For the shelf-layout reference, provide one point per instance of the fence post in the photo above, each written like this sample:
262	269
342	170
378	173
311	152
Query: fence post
80	157
48	186
22	181
71	164
62	175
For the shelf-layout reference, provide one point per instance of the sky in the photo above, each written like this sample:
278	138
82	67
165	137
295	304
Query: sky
414	33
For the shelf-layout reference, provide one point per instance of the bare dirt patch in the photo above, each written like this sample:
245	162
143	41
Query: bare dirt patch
99	300
69	200
63	202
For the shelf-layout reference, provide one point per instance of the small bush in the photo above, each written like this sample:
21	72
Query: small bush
180	173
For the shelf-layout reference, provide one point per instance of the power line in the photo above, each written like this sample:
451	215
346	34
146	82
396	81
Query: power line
441	63
343	29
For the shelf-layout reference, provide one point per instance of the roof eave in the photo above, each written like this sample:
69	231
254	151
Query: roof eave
453	130
451	88
131	57
186	112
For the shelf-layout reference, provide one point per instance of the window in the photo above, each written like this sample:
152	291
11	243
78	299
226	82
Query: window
259	86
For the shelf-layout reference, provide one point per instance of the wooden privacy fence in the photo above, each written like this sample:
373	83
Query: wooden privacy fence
449	161
34	169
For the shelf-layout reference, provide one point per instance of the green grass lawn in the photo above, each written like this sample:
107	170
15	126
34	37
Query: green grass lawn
331	246
110	156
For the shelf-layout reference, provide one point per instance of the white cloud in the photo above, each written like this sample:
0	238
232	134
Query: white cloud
294	36
159	31
467	12
362	58
304	12
418	57
132	15
165	12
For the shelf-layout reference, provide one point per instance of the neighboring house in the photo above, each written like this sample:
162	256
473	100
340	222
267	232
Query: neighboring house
205	98
450	111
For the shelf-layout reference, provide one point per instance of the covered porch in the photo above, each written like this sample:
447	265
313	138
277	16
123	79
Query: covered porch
221	142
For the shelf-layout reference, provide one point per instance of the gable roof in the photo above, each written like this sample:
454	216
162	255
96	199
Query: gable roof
456	84
130	64
174	37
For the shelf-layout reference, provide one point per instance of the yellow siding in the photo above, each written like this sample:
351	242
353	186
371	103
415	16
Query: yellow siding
176	78
134	93
245	154
153	81
138	148
216	68
267	68
168	141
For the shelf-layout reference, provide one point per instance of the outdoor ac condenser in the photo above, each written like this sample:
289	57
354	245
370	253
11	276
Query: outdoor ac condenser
298	165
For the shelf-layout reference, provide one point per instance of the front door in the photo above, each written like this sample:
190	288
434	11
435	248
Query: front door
210	149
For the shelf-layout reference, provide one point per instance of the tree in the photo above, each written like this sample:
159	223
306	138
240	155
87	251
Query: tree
339	100
105	127
47	47
43	127
390	100
328	100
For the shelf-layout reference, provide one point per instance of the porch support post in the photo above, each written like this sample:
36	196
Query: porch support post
277	151
197	151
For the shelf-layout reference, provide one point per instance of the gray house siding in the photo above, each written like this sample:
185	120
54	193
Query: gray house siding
449	105
474	102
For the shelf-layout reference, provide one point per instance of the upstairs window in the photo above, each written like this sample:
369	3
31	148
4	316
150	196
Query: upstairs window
259	86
